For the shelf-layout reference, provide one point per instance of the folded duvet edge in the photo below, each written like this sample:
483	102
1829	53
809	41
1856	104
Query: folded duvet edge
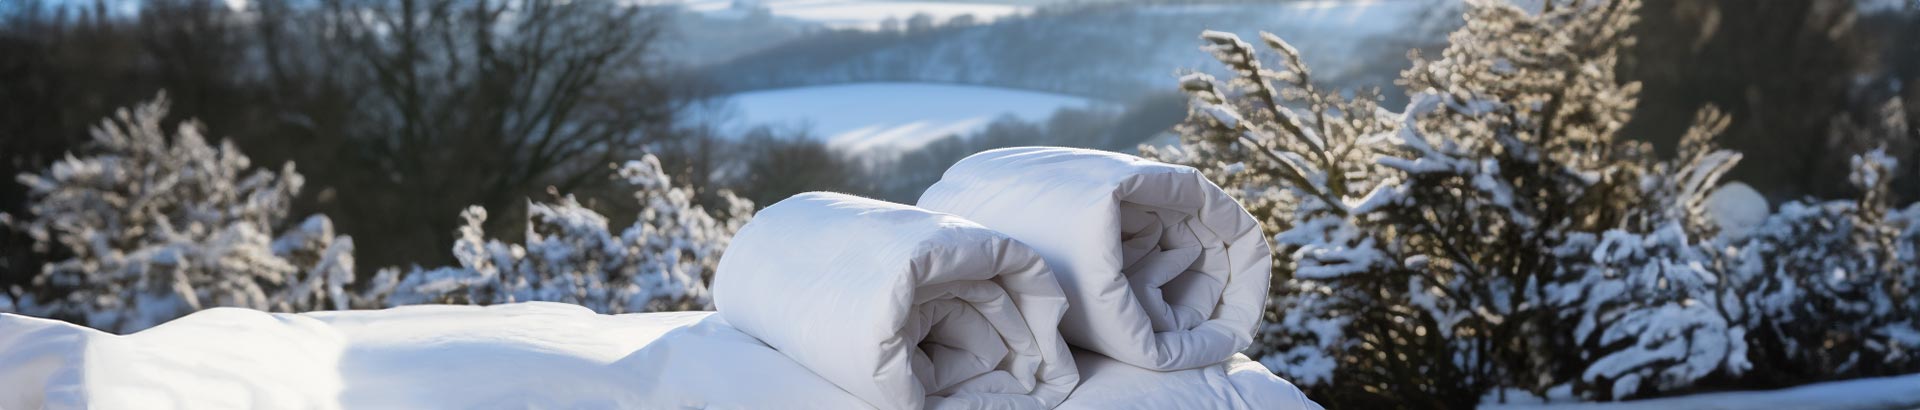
1072	206
900	306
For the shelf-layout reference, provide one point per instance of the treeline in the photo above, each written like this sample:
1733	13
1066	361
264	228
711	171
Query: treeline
1118	51
399	114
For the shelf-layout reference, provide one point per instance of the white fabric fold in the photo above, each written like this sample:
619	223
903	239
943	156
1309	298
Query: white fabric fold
524	355
710	365
902	307
1162	269
1236	384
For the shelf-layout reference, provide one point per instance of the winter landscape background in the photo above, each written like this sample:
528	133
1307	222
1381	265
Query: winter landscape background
1480	203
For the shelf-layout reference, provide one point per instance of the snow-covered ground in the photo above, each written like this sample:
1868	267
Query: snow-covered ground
862	117
1898	392
855	14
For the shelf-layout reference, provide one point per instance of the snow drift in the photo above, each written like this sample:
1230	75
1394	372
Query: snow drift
902	307
1164	270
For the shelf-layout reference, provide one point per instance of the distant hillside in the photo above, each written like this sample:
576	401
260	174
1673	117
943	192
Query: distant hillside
860	118
1109	51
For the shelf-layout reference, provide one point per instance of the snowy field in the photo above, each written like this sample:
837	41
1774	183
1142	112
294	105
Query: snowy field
859	118
857	14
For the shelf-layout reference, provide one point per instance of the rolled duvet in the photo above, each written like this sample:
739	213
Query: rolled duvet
1162	269
901	307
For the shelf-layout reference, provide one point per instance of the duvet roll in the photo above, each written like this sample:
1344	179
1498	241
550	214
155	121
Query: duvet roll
902	307
1162	269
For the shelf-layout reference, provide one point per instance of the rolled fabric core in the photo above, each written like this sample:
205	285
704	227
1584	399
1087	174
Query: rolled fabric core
1164	270
902	307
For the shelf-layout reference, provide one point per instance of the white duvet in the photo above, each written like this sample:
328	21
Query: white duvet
530	355
522	356
1162	269
902	307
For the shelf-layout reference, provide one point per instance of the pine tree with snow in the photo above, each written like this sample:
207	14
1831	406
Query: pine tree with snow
660	263
1434	255
1650	309
154	226
1831	285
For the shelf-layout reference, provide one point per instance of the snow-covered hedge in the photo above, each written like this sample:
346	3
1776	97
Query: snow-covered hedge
662	262
1830	285
1498	234
147	227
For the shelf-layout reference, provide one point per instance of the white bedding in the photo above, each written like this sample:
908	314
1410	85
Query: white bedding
534	355
1238	384
1162	269
527	355
902	307
710	365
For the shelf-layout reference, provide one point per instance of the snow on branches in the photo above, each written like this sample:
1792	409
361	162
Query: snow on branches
1498	233
154	226
1831	284
662	262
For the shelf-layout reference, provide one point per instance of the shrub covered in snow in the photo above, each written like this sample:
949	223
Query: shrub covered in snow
1497	234
662	262
154	226
1830	285
147	227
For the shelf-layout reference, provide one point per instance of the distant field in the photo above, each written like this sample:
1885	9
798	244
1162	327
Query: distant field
861	14
1108	52
862	117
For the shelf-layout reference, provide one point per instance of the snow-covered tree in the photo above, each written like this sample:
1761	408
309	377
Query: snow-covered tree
1432	255
148	227
1646	296
1831	284
326	263
662	262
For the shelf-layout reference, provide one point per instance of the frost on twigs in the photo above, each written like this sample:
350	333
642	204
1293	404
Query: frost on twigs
157	225
662	262
1496	233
